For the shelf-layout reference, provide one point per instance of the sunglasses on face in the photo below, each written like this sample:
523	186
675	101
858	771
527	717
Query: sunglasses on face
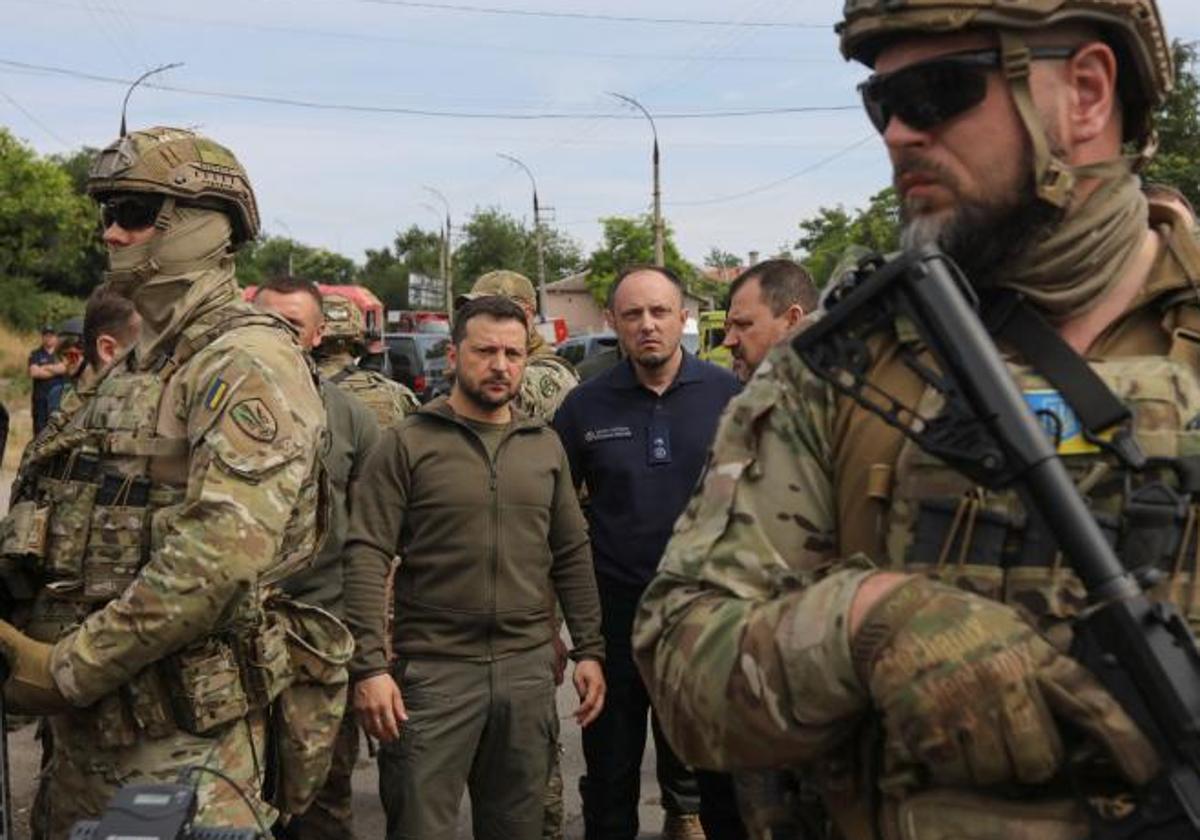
131	212
928	93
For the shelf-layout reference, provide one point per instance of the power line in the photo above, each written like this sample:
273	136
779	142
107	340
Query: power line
422	112
720	199
491	10
33	119
373	37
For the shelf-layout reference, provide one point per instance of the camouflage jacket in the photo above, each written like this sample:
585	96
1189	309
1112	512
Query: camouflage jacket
388	400
209	455
548	379
742	637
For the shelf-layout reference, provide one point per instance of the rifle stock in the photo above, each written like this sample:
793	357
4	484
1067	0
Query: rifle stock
1143	652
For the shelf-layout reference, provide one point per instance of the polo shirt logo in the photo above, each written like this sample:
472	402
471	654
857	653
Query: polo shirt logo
613	433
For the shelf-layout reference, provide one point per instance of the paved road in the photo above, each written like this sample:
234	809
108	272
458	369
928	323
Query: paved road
24	756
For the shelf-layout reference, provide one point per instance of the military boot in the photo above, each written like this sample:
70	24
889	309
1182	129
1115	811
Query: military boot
682	827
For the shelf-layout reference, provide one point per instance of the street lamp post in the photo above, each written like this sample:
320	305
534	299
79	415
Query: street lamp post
659	255
537	232
447	258
291	241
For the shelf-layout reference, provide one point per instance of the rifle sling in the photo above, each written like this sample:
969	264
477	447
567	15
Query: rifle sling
1010	319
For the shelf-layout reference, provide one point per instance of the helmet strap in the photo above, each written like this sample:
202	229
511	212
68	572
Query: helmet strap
1054	179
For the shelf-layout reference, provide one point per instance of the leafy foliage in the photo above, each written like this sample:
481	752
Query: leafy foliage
495	240
828	235
272	256
630	241
47	229
1178	122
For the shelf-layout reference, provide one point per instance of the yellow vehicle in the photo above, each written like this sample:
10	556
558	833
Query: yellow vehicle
712	336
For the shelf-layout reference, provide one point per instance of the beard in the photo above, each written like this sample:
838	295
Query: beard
982	235
474	391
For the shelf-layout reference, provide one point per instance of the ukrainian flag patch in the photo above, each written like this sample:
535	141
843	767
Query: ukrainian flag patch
216	393
1060	422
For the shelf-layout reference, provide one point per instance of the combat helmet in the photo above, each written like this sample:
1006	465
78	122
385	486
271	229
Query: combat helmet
182	165
1132	28
502	283
343	320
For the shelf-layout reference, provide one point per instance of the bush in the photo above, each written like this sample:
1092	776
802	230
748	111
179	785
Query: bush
25	307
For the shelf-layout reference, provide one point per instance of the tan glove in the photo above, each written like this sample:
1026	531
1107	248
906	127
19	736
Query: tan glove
969	693
29	689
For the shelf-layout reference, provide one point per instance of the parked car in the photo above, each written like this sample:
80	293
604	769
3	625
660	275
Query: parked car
576	349
418	360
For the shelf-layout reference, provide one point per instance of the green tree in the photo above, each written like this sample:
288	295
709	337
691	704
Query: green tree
94	258
495	240
630	241
1178	122
272	256
718	258
47	229
828	235
387	276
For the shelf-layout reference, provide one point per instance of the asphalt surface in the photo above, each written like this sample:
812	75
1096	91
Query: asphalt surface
25	755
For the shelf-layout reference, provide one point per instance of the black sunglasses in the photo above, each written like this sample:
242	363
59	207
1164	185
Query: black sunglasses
928	93
133	211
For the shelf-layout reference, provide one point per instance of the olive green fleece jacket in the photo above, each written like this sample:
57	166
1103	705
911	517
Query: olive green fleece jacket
483	544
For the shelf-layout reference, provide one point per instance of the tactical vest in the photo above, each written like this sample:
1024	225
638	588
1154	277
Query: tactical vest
96	501
388	401
910	512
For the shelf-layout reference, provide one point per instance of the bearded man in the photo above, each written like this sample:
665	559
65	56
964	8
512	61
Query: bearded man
477	499
837	598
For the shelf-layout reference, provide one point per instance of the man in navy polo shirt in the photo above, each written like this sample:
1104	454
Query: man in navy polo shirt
637	436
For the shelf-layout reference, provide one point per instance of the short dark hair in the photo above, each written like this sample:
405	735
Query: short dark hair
783	283
106	313
495	306
634	269
287	284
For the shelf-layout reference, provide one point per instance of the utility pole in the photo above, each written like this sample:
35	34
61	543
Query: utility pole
538	237
659	235
447	256
443	267
291	243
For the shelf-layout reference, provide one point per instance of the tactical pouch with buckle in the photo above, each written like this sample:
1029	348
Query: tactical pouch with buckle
266	666
205	684
71	497
115	544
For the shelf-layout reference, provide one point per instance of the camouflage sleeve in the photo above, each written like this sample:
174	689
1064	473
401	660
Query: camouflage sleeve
543	389
252	450
742	637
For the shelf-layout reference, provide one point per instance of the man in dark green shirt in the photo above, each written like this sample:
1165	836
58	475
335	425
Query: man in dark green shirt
478	501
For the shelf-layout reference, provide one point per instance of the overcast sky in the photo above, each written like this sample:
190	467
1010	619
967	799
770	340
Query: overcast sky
347	179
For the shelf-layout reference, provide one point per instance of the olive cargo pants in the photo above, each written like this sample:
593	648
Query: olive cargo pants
485	726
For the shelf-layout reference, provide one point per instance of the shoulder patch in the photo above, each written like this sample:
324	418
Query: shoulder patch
549	386
215	394
254	418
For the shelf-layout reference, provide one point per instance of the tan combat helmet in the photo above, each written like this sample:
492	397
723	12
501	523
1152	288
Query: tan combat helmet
502	283
343	320
182	165
1133	28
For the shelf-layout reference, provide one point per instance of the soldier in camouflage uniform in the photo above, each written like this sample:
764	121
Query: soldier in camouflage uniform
343	339
548	380
149	533
833	594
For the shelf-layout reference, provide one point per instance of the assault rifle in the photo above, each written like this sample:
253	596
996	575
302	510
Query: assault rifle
1143	652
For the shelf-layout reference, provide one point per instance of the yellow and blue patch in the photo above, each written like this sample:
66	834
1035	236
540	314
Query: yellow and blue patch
217	390
1060	422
